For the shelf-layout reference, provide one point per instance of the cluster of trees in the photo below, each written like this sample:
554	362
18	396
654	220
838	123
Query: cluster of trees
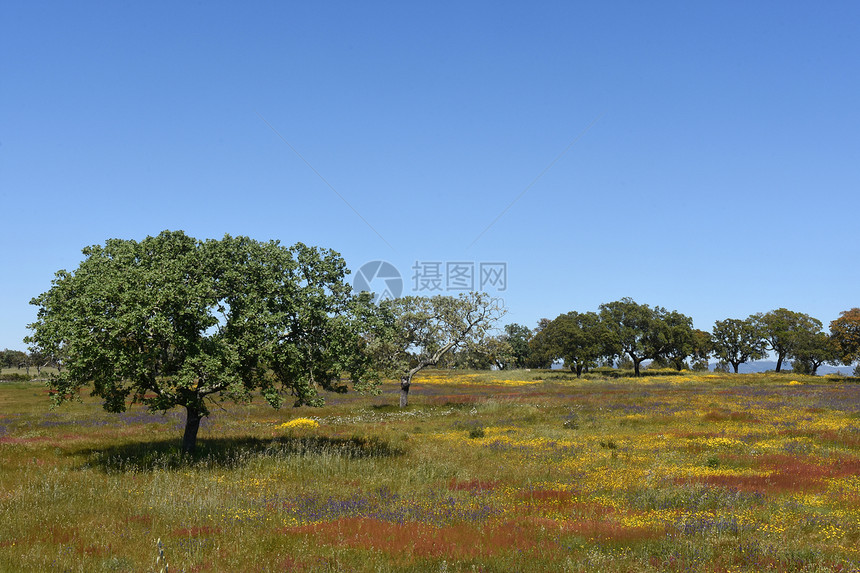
33	359
626	331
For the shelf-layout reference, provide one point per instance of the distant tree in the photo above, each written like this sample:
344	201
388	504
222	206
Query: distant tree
38	360
173	321
737	341
811	351
783	329
539	349
492	352
643	333
518	337
501	352
423	330
845	335
580	339
702	349
631	325
680	342
14	359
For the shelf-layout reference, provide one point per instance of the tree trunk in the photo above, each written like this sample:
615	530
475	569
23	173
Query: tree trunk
578	370
735	365
404	390
636	366
779	361
192	424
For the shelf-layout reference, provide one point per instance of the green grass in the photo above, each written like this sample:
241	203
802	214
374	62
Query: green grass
515	471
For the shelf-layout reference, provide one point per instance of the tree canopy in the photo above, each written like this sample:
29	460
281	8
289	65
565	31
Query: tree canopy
173	321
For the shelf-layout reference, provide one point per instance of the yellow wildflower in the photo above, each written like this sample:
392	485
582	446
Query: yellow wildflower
300	423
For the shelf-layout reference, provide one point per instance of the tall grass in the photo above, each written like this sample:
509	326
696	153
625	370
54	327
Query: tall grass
484	472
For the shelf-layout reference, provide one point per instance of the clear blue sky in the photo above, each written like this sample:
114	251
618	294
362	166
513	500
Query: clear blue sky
719	176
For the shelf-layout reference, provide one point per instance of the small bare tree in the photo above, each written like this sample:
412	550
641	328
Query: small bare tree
422	330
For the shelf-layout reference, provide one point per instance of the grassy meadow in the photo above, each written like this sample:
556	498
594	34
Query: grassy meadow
518	471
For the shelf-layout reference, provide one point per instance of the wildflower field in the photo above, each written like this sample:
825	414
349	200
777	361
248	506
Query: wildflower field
514	471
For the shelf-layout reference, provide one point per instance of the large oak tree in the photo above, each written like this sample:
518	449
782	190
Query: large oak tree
172	321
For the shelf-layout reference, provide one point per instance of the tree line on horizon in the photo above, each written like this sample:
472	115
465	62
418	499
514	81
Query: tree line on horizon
625	333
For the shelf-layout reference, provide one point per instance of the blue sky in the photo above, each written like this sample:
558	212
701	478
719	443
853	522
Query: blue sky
715	167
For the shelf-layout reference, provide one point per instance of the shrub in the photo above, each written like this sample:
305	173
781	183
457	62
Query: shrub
475	433
722	367
699	366
15	377
607	371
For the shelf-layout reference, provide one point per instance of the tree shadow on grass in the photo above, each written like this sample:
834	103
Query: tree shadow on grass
229	453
